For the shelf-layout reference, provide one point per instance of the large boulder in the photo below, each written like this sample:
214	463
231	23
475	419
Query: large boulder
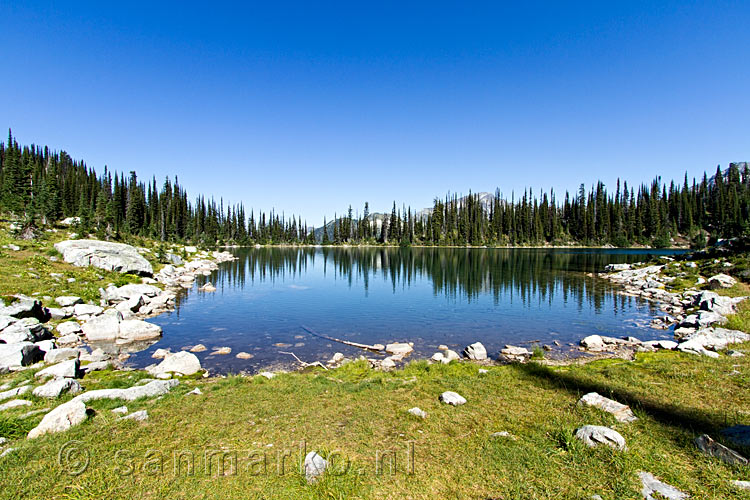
182	362
64	369
114	294
721	281
27	330
104	255
59	355
708	340
60	419
21	354
6	321
103	328
57	386
149	390
135	330
25	307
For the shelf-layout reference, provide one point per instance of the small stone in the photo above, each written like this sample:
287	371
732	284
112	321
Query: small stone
388	363
449	356
652	485
476	352
222	350
196	392
503	434
399	348
198	348
718	450
594	435
442	347
138	416
315	466
68	328
483	371
621	412
511	350
68	301
122	410
160	353
268	375
244	355
417	412
452	398
743	485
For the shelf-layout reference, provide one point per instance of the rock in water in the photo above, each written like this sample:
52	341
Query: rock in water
452	398
652	485
182	362
104	255
621	412
593	343
476	351
60	419
594	435
315	466
718	450
399	348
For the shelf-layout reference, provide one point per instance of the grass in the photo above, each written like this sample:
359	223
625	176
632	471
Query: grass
244	436
357	417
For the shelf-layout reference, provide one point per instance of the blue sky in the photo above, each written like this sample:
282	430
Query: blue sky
311	108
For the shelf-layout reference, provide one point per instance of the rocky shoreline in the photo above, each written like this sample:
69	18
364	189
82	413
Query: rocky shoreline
696	315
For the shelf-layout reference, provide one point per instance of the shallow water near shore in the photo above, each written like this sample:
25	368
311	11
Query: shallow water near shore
269	299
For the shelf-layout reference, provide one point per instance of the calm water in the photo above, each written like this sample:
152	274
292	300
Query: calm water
375	295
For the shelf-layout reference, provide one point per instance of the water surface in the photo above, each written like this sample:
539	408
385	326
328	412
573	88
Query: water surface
429	296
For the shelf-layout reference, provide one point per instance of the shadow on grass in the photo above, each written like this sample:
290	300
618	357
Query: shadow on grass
695	420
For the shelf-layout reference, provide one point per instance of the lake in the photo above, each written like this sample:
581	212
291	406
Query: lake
429	296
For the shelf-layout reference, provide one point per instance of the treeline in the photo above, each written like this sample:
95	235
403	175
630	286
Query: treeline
42	187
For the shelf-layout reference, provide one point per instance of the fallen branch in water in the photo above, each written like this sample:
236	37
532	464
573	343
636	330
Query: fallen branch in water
374	347
303	363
